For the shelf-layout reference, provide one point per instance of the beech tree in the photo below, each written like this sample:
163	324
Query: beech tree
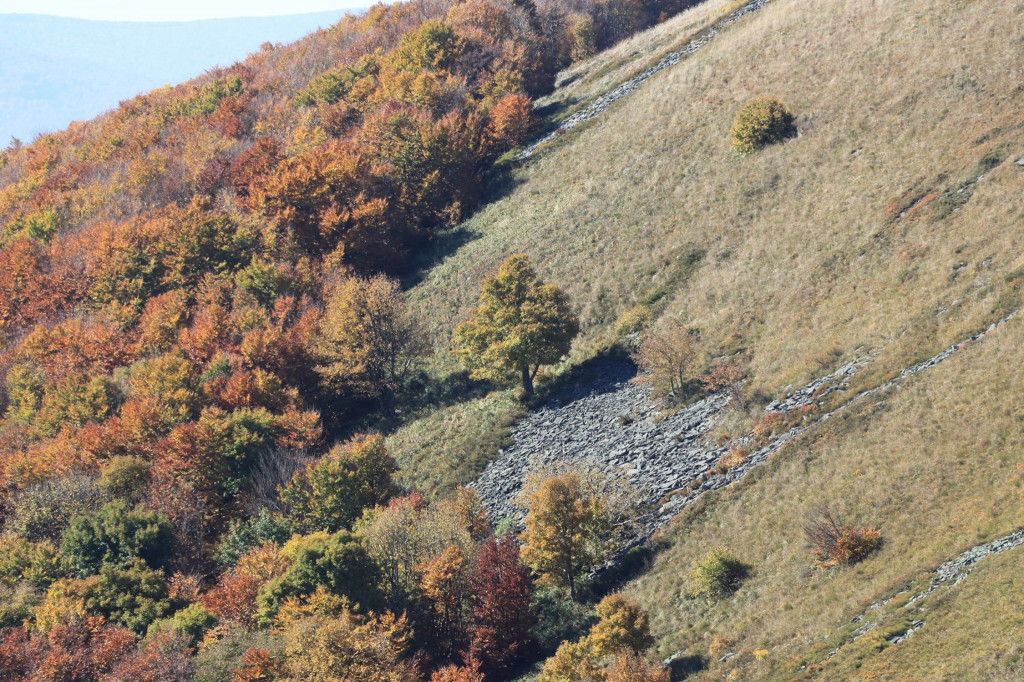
501	613
623	632
368	340
667	358
444	588
519	325
348	646
331	493
563	530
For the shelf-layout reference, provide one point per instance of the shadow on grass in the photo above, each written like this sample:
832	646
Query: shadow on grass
426	392
421	396
603	373
554	112
443	245
499	182
630	566
684	666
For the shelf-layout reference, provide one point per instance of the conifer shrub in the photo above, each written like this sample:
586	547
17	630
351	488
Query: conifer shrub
716	575
762	121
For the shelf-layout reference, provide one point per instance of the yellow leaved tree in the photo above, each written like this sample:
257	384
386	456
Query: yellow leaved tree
519	325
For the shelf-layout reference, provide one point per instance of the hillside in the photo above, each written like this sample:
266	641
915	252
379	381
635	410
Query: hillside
57	69
196	367
179	277
889	230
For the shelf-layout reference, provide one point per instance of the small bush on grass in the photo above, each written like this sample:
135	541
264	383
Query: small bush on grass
716	575
834	543
762	121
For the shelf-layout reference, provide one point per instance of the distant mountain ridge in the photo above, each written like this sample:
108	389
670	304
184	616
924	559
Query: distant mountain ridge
57	70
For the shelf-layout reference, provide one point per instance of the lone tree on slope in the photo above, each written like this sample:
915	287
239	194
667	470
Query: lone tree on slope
519	325
565	529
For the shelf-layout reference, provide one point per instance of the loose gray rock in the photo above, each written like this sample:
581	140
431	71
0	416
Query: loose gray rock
608	425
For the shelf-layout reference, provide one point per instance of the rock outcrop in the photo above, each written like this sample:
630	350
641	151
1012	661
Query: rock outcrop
609	424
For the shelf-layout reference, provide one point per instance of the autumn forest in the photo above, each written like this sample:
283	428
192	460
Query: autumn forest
202	310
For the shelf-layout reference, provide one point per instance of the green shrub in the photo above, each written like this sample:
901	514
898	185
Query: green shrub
205	100
192	621
35	563
333	85
125	476
132	595
715	575
762	121
244	535
261	280
331	493
338	562
24	392
75	401
114	536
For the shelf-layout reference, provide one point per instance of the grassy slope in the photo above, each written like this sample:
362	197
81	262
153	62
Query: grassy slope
936	465
805	265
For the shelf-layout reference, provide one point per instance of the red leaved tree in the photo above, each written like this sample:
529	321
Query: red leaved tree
501	614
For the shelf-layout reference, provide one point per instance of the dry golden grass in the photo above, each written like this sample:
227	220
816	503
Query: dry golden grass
592	78
452	446
806	263
801	259
802	262
967	632
936	465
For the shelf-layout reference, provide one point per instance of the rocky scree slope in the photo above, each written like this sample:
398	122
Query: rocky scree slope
609	424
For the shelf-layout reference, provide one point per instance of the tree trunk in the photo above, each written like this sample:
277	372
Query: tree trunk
527	381
386	400
571	574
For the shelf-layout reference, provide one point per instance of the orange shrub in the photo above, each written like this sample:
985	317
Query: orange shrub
835	543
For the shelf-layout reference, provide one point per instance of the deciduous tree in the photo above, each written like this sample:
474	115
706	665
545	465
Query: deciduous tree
369	342
331	493
501	613
667	358
564	526
348	647
444	586
519	325
622	632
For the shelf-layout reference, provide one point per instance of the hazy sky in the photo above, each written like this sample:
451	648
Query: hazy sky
173	10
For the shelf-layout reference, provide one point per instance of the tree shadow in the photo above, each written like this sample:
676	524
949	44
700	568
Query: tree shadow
421	395
436	251
551	111
629	566
500	180
682	667
606	372
426	392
